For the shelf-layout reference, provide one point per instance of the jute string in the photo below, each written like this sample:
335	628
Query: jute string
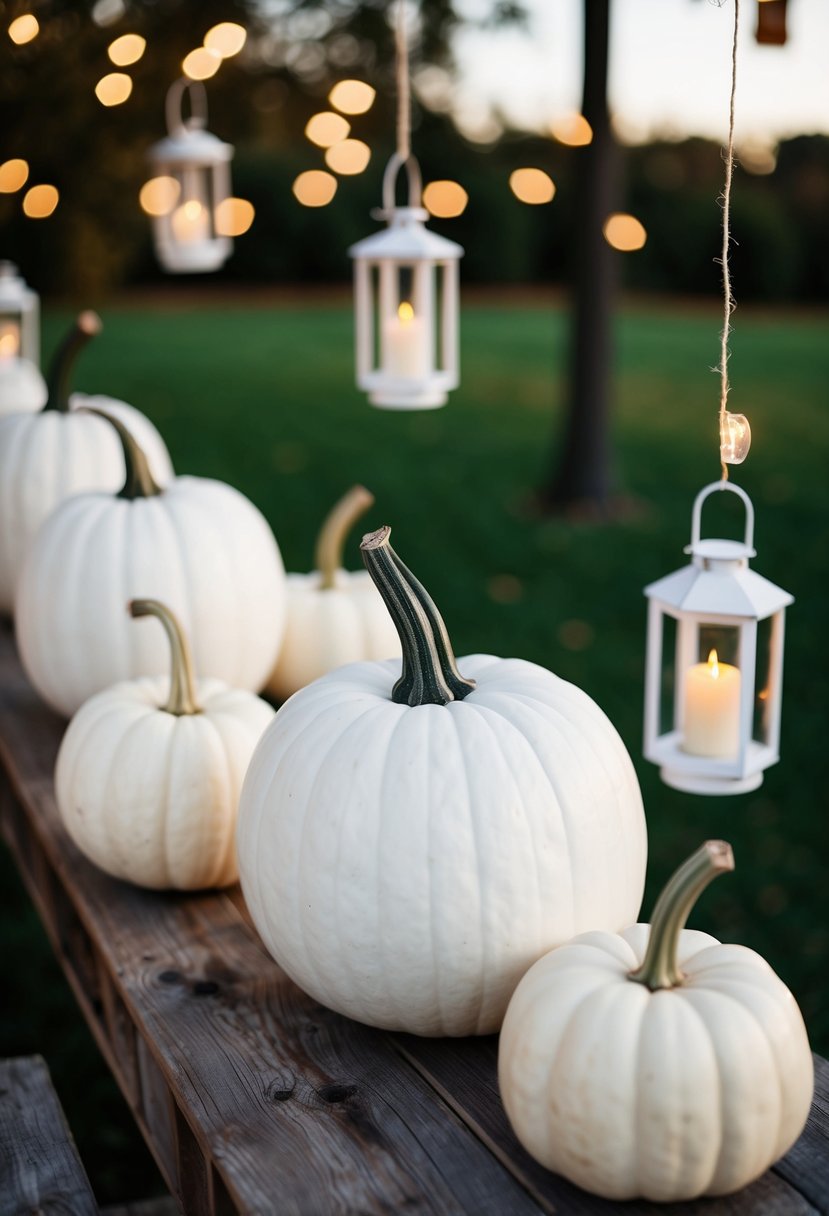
728	299
404	115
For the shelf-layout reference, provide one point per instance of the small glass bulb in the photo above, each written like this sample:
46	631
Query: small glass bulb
735	438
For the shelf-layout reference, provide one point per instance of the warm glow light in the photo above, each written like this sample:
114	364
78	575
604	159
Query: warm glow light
159	195
234	216
572	129
113	89
326	128
201	64
127	49
9	340
735	438
624	232
13	175
405	312
532	186
713	665
315	188
189	222
445	199
352	96
24	29
349	157
226	39
39	202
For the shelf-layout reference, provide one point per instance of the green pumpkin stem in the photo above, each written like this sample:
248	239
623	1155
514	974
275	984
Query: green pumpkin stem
182	699
334	532
660	966
87	326
139	481
430	674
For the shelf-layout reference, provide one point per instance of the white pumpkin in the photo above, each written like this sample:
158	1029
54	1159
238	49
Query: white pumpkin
22	388
45	457
656	1064
149	772
199	546
409	846
334	616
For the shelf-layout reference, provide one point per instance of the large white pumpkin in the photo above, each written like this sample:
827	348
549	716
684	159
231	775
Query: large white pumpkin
149	772
410	844
334	616
47	456
199	546
656	1064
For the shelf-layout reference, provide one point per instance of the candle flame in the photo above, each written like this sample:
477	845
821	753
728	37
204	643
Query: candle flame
713	665
405	312
9	342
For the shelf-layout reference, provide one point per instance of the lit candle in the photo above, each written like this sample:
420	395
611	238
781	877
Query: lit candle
189	222
404	344
712	709
9	340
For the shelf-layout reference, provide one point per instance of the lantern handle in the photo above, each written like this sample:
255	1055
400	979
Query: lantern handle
198	105
394	166
696	518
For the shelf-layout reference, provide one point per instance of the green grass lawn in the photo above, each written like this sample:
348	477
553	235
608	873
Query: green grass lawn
264	398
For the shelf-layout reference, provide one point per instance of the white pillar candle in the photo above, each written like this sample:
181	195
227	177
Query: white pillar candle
9	340
404	344
189	222
712	709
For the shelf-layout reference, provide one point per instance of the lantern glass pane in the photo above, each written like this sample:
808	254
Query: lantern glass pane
764	693
404	332
192	219
724	640
667	718
10	334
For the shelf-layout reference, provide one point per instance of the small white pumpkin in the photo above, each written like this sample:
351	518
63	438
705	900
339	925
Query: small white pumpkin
334	616
149	772
62	450
198	545
409	846
656	1064
22	388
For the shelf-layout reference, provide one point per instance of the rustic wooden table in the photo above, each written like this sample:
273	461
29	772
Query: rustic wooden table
251	1096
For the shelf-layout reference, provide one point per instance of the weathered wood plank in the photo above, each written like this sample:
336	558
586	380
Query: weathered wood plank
806	1166
40	1170
291	1105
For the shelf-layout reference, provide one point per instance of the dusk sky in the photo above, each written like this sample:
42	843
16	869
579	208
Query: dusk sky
670	68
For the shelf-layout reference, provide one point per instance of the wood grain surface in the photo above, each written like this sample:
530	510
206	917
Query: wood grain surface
40	1171
255	1099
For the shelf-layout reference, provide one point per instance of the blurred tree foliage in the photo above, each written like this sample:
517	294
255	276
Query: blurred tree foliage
98	239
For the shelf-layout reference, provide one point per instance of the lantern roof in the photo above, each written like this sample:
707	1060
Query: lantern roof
191	144
406	239
14	291
720	587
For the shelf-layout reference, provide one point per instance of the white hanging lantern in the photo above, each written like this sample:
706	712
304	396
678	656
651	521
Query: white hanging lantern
406	303
22	387
714	669
191	180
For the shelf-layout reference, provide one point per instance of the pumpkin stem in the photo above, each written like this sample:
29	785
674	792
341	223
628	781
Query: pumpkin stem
430	674
334	531
660	968
139	481
87	325
182	698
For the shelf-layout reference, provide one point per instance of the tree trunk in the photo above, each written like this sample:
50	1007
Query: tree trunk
581	470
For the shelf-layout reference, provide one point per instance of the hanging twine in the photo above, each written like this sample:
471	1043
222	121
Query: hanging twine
404	104
728	299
